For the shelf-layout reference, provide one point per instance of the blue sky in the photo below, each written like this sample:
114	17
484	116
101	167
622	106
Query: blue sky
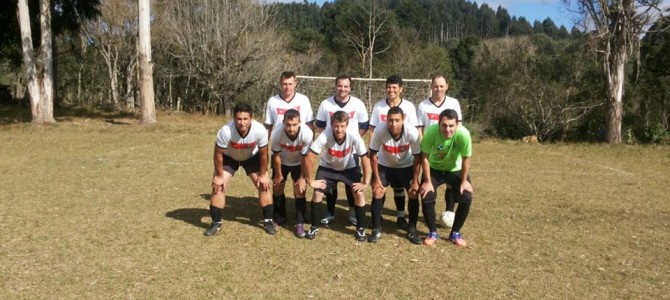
531	9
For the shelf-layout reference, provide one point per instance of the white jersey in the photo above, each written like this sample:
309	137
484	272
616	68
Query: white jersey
291	150
428	113
394	153
276	107
238	147
339	157
356	109
380	110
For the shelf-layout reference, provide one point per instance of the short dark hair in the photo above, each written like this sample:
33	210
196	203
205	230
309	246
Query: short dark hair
450	114
243	107
291	114
342	77
395	110
339	116
286	75
394	79
439	76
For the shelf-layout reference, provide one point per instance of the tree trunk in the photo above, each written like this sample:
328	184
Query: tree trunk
46	88
148	106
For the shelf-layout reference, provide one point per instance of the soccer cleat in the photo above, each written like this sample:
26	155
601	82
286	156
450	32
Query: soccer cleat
280	220
352	216
269	227
375	236
311	234
213	229
447	219
413	237
456	238
431	239
402	223
327	219
300	231
360	234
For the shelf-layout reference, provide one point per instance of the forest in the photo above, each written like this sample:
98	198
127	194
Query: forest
513	77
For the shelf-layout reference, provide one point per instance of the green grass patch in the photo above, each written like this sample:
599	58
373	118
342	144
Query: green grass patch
101	207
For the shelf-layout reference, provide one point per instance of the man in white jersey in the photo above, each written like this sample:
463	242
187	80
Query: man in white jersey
338	164
358	122
428	113
286	99
241	142
290	143
379	115
395	158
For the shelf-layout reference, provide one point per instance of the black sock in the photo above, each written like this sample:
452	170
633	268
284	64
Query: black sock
360	215
300	208
376	212
429	216
331	200
276	201
316	213
216	213
462	211
399	200
350	197
450	197
413	208
282	205
267	211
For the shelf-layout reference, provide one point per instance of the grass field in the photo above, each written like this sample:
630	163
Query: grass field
105	208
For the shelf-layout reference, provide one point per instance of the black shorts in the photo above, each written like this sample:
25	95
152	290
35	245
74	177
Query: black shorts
285	170
251	165
453	179
397	177
332	177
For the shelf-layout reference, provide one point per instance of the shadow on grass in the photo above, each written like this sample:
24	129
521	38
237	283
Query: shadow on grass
243	210
12	114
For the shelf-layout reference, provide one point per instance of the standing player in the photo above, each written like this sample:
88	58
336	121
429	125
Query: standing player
241	142
379	115
395	157
290	143
447	151
428	112
286	99
358	122
338	164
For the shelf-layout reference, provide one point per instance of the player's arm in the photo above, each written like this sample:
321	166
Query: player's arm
465	170
276	165
427	185
308	167
374	160
217	180
263	178
416	169
365	181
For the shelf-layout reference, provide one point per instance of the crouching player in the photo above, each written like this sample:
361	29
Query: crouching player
447	151
395	157
338	164
290	143
241	142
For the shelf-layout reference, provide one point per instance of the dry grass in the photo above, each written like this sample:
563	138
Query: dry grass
106	208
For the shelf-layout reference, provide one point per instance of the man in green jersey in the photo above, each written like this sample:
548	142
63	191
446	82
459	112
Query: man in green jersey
446	149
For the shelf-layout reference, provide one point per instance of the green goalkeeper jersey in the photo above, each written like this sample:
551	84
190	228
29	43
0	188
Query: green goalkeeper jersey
446	154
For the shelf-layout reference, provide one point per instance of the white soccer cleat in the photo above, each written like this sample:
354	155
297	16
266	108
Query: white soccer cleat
447	218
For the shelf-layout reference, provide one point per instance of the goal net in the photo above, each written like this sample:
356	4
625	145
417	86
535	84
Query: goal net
369	90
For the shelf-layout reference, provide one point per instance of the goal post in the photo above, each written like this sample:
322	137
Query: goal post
369	90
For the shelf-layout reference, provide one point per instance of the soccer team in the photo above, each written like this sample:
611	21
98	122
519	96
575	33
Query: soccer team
412	150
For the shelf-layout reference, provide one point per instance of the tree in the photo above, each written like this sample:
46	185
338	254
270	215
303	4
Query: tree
39	74
147	103
617	25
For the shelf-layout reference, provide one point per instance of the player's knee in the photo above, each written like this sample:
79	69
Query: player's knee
429	198
378	192
412	195
466	198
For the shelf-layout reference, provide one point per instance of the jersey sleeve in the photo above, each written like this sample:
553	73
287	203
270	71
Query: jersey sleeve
223	137
322	115
319	143
466	141
262	136
309	114
375	141
420	116
269	118
307	138
359	145
374	119
427	141
275	144
411	116
415	142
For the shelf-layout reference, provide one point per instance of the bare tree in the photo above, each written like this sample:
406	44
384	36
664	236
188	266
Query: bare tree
147	103
223	47
39	74
617	26
367	27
